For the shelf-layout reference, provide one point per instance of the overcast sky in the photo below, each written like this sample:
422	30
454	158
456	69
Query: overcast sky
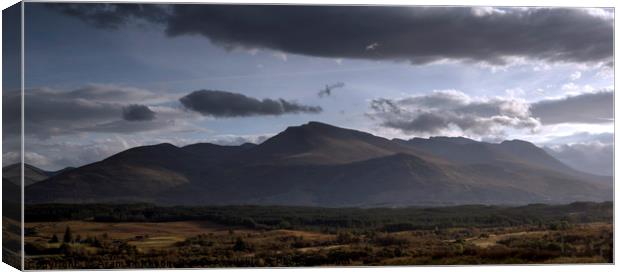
102	78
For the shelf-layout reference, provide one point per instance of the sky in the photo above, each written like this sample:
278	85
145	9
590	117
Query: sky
101	78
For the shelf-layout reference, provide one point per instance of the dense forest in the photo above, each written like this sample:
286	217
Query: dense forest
314	218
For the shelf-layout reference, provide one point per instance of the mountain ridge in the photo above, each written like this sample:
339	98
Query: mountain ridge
318	164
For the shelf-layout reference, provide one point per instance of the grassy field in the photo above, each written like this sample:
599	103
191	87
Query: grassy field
11	241
91	243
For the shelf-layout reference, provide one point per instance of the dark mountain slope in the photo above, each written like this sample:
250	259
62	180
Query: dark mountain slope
351	184
466	151
527	152
213	152
134	174
395	180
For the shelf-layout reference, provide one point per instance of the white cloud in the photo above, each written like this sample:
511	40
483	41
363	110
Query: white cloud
606	14
605	72
570	87
485	11
574	89
372	46
229	139
252	51
281	56
514	92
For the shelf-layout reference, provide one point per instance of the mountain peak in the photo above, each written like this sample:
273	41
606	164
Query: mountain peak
318	129
300	139
147	152
320	143
317	124
166	145
314	125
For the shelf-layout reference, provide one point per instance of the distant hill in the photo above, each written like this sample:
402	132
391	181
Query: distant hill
31	174
466	151
590	159
322	165
11	186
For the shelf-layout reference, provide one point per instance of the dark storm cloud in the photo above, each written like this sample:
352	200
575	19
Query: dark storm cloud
416	34
137	112
595	107
227	104
112	16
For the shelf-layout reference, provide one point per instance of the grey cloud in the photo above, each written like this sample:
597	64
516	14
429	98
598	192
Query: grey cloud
585	108
109	93
424	122
127	127
416	34
137	112
11	117
45	106
227	104
443	111
51	113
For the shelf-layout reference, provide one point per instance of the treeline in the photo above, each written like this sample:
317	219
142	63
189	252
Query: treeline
315	218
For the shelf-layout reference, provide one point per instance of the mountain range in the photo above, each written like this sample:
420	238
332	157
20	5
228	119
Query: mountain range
317	164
